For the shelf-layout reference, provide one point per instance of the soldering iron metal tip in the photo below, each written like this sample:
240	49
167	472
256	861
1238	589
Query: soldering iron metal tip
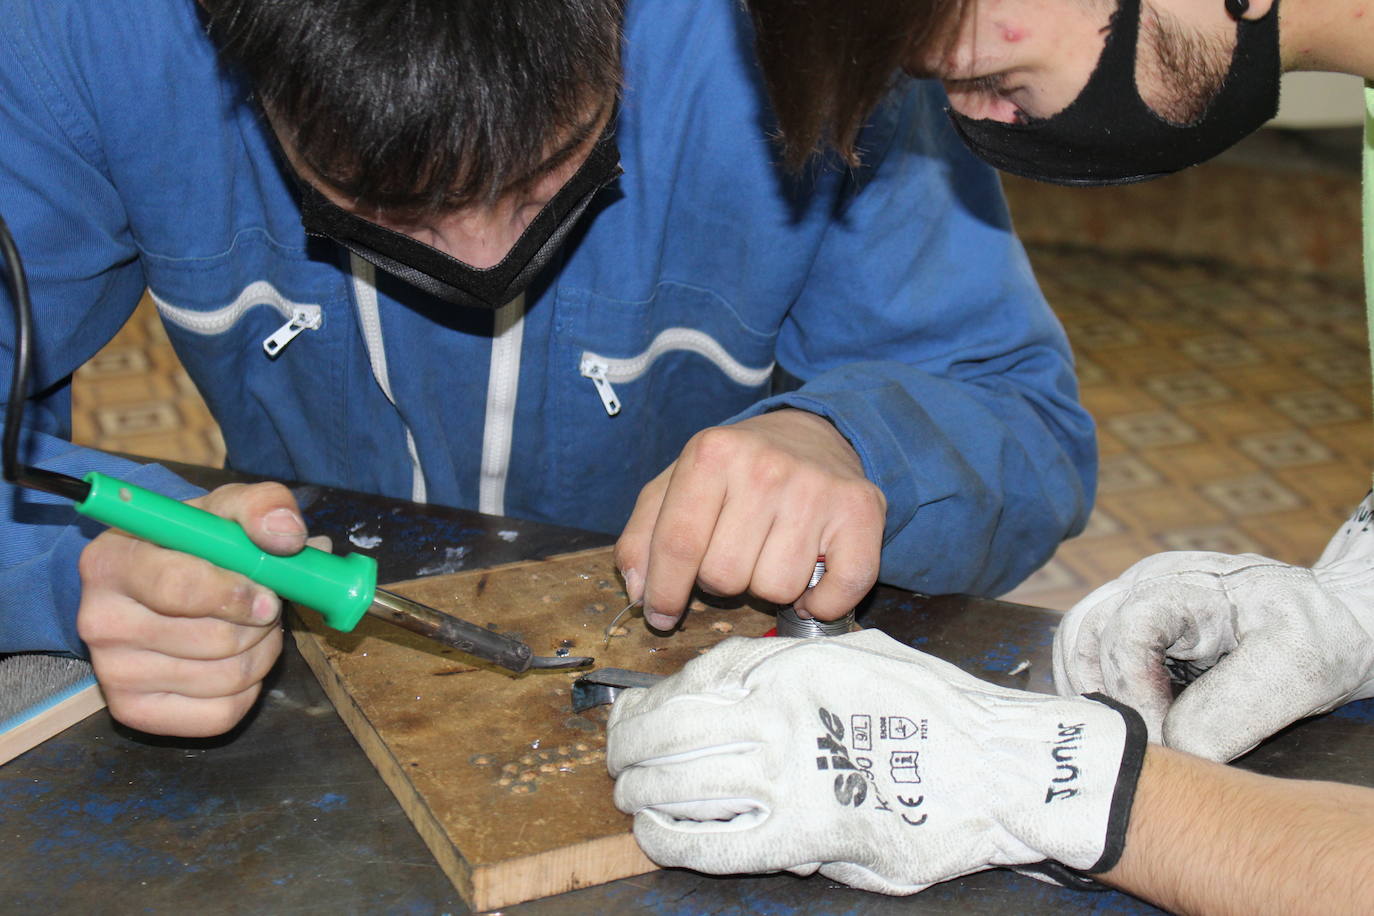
562	661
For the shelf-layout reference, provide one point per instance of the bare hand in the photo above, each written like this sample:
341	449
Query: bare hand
180	646
748	508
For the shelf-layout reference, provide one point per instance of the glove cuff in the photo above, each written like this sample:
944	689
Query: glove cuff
1128	775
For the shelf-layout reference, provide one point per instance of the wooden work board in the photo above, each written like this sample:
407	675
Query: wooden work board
507	786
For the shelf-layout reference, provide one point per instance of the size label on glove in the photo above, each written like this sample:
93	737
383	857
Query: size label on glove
856	781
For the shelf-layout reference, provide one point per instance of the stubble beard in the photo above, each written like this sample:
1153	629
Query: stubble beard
1179	72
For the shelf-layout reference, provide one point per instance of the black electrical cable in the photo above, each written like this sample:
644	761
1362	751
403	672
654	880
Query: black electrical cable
34	478
19	381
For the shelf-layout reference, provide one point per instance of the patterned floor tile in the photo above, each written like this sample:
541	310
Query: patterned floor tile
1220	351
1187	388
1116	399
1292	537
1126	472
1265	381
1253	494
1100	524
1332	487
1151	430
1106	333
1202	461
1337	367
1316	407
1133	364
1090	372
137	419
115	361
1285	449
1108	558
1233	418
1150	511
1218	538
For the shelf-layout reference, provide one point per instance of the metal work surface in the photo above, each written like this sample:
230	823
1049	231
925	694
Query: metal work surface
286	815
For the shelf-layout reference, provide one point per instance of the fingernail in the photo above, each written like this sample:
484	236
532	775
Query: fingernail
264	607
659	621
284	522
802	612
634	584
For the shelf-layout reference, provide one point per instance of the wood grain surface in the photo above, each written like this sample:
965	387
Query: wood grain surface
507	786
24	734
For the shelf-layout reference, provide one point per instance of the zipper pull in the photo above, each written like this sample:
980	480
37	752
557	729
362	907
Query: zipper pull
595	370
303	318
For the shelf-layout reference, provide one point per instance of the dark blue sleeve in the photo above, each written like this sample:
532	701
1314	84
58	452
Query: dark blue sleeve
70	226
923	336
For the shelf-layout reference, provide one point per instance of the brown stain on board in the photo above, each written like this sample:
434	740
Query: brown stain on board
507	786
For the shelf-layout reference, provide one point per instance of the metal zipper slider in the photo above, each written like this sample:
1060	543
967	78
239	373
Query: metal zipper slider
595	370
303	318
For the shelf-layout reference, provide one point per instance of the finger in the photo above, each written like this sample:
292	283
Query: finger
1274	677
731	563
184	717
113	620
172	583
1185	614
754	839
266	511
787	557
851	571
1078	641
682	808
632	548
1131	658
852	543
130	670
682	533
685	727
701	785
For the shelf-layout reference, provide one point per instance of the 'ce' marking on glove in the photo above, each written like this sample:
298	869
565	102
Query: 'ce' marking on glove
852	788
909	803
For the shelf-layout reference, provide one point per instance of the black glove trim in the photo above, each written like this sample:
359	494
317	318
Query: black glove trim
1064	876
1123	797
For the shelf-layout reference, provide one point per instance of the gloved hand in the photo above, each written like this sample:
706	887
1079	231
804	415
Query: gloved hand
1276	642
870	762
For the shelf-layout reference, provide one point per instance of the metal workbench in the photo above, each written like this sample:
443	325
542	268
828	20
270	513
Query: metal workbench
285	815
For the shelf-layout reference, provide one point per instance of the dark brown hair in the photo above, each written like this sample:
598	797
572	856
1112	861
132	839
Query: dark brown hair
826	63
413	106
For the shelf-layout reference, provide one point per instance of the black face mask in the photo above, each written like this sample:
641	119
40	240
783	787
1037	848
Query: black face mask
448	278
1108	135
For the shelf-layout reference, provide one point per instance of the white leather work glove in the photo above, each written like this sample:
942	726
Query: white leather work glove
1275	643
872	763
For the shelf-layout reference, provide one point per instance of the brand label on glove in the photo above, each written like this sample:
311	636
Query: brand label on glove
856	781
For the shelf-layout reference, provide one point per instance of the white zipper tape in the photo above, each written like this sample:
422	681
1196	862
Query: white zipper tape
300	316
604	370
370	319
503	387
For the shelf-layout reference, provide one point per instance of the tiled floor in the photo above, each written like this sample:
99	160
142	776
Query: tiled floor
1232	408
1218	320
134	397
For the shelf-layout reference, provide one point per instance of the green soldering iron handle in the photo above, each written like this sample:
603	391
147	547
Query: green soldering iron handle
340	588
